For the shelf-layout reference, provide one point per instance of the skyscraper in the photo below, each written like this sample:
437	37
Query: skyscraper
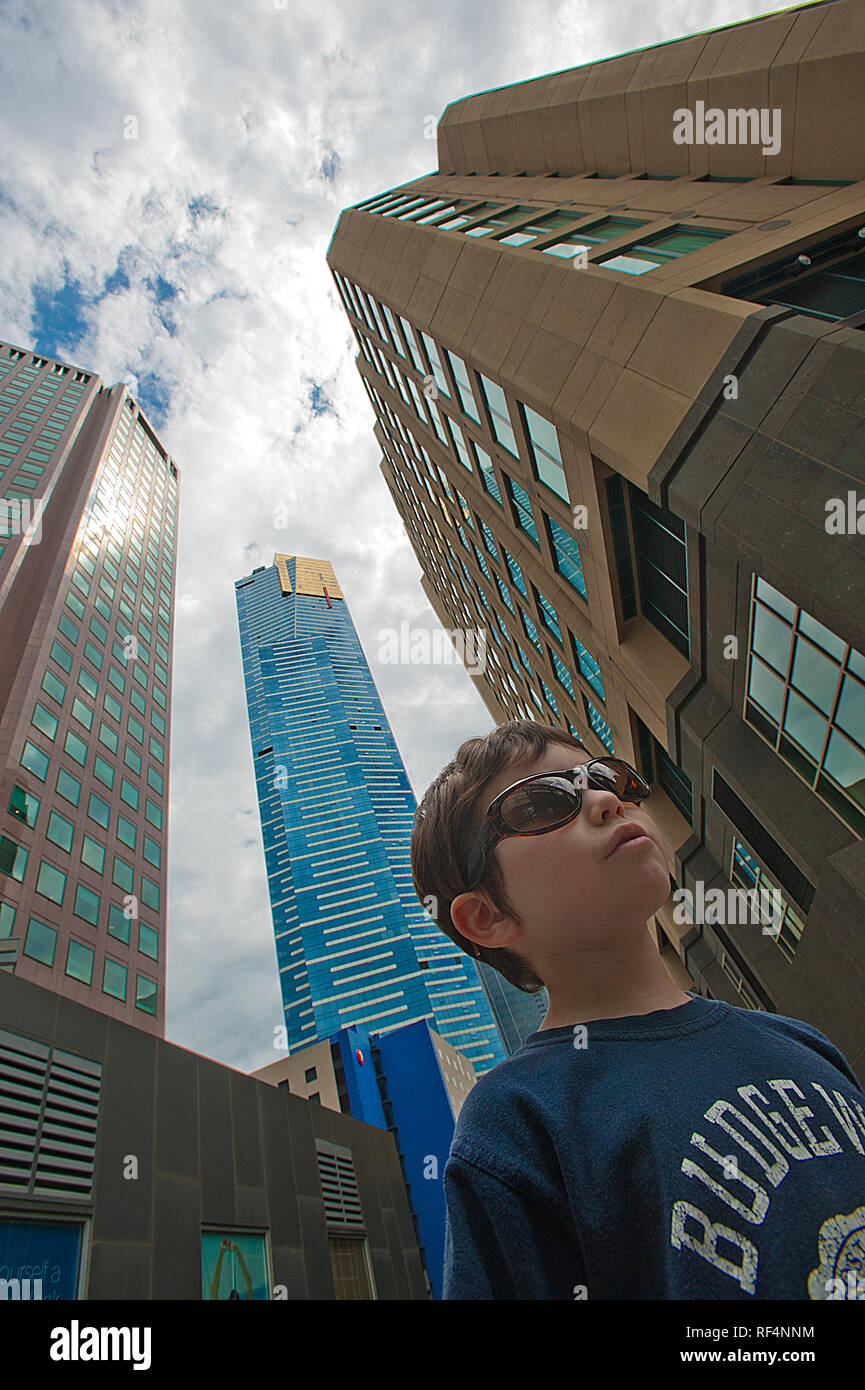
616	363
353	943
88	505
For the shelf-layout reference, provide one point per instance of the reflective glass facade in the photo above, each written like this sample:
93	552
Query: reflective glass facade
353	943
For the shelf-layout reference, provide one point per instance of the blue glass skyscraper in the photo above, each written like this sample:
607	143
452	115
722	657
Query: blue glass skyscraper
353	943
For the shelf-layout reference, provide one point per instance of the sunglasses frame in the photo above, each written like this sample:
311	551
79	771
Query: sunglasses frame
495	827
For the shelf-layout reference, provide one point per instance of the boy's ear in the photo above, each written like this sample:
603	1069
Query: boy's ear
472	910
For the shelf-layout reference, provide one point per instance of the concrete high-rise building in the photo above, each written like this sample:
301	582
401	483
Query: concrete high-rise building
614	349
354	945
88	507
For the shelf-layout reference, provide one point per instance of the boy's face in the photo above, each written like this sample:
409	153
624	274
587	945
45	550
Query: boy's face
571	880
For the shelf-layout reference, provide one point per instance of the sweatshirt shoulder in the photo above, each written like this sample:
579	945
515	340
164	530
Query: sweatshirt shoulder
491	1110
797	1031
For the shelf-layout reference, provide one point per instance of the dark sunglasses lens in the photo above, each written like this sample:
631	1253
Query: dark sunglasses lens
538	807
614	775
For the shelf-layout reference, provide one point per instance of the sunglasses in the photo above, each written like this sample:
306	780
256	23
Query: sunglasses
546	801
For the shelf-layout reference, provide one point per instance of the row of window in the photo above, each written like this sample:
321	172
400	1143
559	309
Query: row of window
51	881
518	225
40	944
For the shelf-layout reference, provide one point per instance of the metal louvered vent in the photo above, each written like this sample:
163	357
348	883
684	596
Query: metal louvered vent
49	1113
339	1184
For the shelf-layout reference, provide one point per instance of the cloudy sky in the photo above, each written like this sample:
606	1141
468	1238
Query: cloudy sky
171	172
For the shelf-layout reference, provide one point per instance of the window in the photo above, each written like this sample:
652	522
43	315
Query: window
787	926
588	665
599	724
13	859
437	368
82	713
53	687
93	854
544	452
75	747
566	555
515	572
126	831
129	793
149	893
40	942
608	229
118	923
114	979
88	682
243	1268
122	874
79	962
464	387
549	616
108	736
68	786
61	656
145	994
657	250
35	760
521	509
487	473
99	810
499	418
148	941
23	806
805	693
103	771
540	227
51	882
662	569
60	831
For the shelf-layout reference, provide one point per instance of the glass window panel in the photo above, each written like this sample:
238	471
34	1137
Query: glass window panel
846	764
775	600
79	962
93	854
805	725
60	831
35	760
40	942
51	882
23	806
771	639
45	722
815	675
114	979
13	859
766	689
851	709
821	635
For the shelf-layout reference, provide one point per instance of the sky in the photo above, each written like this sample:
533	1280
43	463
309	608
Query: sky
171	174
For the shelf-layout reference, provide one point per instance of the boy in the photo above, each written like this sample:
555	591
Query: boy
644	1143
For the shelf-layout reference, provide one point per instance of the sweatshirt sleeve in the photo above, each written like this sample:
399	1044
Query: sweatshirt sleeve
499	1244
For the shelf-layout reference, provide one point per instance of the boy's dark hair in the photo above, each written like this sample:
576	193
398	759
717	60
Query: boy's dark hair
447	821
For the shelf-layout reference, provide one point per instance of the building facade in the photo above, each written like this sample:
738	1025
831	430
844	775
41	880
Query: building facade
134	1169
614	350
354	945
88	509
410	1082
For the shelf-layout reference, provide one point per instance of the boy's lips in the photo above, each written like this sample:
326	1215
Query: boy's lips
624	835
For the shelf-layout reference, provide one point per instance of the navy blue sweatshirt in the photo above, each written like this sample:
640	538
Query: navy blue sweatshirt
699	1152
